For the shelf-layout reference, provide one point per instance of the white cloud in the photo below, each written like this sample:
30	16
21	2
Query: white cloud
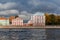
39	13
8	12
25	15
8	5
7	8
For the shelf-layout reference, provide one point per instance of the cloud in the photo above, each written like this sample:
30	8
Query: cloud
33	6
56	2
9	12
25	15
34	2
7	5
39	13
8	8
39	3
44	6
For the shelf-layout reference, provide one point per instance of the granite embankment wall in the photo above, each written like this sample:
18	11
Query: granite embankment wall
29	26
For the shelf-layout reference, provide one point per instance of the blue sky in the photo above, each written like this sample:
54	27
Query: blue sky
28	7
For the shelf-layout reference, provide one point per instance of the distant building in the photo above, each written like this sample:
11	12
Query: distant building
4	21
17	21
38	19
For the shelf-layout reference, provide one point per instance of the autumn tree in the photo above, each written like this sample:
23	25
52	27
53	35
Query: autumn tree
47	21
58	20
50	19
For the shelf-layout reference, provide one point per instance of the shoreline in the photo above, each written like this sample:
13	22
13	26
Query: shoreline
45	27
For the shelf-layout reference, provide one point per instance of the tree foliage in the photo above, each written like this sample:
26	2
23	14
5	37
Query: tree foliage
52	19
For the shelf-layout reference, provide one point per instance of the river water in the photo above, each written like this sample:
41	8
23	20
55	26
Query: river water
29	34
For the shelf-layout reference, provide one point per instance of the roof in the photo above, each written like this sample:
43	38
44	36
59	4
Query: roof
3	18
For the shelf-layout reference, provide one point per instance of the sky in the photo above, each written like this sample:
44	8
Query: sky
28	7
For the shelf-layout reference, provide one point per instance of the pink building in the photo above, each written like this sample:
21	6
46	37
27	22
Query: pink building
17	21
38	19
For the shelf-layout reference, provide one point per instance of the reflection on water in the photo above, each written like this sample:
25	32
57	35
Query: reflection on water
29	34
22	34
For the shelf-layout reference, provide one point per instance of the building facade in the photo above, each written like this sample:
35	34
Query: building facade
17	21
4	21
38	20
